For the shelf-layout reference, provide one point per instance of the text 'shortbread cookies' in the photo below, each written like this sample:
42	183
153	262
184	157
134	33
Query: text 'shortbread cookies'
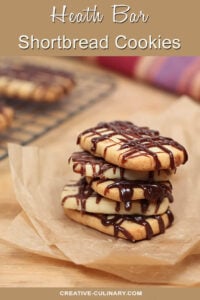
129	146
6	117
33	82
85	164
125	190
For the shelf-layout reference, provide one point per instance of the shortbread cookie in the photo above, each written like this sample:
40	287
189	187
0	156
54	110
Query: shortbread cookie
128	191
88	165
33	82
129	146
80	196
133	228
6	117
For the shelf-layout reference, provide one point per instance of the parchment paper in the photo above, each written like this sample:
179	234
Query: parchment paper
171	258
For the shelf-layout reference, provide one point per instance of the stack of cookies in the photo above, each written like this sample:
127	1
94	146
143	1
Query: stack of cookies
124	190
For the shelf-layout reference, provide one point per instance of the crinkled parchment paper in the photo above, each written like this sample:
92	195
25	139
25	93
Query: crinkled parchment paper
171	258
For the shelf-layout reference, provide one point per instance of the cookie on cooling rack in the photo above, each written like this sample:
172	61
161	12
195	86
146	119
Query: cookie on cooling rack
6	117
33	82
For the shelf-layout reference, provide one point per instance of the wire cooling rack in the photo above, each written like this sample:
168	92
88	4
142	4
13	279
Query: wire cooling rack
33	120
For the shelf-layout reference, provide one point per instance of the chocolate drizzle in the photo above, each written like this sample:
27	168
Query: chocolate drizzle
39	74
154	192
98	164
85	191
161	223
170	216
145	205
117	222
136	141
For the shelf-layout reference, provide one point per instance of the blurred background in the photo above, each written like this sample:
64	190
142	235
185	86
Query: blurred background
38	94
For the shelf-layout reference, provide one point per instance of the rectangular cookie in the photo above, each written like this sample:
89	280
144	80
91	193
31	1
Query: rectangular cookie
33	82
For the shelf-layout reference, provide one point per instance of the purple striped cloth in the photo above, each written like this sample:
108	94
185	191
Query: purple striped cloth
177	74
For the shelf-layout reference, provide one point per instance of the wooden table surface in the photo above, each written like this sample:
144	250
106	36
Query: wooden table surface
21	269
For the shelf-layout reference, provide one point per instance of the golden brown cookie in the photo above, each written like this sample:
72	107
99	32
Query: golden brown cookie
133	228
6	117
80	196
85	164
132	147
34	83
127	191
